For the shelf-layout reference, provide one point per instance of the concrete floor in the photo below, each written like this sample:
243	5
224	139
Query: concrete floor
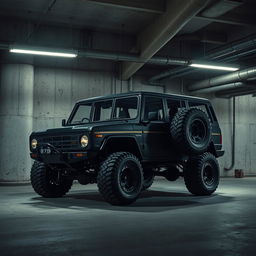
165	220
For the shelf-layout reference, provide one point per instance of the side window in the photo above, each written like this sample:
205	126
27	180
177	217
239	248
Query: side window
201	106
153	109
126	108
173	107
102	110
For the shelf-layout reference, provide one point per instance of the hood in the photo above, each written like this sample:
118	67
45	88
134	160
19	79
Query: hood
66	130
76	128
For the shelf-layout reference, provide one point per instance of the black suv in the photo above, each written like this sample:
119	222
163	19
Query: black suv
122	141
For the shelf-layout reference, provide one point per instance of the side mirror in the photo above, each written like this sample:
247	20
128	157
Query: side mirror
63	122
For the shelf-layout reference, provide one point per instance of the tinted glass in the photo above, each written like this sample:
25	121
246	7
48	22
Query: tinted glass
82	114
126	108
153	109
173	107
102	110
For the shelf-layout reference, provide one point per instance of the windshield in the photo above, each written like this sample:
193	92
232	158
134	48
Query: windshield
82	114
125	108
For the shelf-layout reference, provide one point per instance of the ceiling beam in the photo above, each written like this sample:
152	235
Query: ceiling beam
150	6
212	37
226	21
156	35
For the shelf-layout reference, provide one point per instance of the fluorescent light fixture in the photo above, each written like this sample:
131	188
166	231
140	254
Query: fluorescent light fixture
212	66
43	51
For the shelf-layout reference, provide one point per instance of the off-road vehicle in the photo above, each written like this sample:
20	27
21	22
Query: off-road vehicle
121	142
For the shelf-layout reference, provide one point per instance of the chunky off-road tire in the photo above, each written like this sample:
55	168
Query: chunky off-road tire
42	184
191	131
120	178
201	174
149	177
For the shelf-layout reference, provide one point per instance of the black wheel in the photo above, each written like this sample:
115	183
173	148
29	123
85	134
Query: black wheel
148	176
120	178
201	174
48	183
191	130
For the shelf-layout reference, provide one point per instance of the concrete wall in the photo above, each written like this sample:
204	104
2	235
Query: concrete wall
245	133
16	120
57	90
37	99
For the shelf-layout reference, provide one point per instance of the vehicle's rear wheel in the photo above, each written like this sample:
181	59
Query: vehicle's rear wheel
191	131
201	174
48	183
120	178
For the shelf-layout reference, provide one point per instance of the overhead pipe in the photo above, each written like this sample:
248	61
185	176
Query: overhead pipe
225	53
157	60
235	93
182	71
241	75
233	47
221	87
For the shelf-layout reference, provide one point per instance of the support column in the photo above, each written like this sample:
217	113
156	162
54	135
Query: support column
16	121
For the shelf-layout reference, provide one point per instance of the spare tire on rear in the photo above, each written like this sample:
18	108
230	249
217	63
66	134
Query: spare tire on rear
191	130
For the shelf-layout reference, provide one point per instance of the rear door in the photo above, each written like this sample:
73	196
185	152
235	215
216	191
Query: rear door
155	129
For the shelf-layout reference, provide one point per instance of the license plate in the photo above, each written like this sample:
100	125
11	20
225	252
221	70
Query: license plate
45	151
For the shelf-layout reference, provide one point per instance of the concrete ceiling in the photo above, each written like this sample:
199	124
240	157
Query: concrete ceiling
126	16
97	15
134	17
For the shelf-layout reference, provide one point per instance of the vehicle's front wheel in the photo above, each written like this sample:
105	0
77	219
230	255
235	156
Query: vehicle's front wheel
201	174
48	183
120	178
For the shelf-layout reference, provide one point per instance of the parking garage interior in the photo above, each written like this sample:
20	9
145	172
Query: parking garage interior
202	48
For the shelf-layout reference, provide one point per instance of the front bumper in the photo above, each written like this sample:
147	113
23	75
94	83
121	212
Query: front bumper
63	157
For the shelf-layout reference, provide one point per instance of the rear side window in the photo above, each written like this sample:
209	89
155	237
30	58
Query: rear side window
173	107
201	106
102	110
126	108
153	109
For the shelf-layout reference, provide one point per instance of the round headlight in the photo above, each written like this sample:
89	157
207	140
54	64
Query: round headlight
34	143
84	141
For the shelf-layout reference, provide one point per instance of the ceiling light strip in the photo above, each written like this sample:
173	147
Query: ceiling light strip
206	66
46	53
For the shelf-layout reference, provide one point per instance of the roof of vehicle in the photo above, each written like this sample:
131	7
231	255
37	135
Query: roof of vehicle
142	93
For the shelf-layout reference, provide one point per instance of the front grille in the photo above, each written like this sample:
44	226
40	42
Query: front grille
65	142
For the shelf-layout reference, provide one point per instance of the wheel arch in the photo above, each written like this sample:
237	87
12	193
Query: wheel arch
113	144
